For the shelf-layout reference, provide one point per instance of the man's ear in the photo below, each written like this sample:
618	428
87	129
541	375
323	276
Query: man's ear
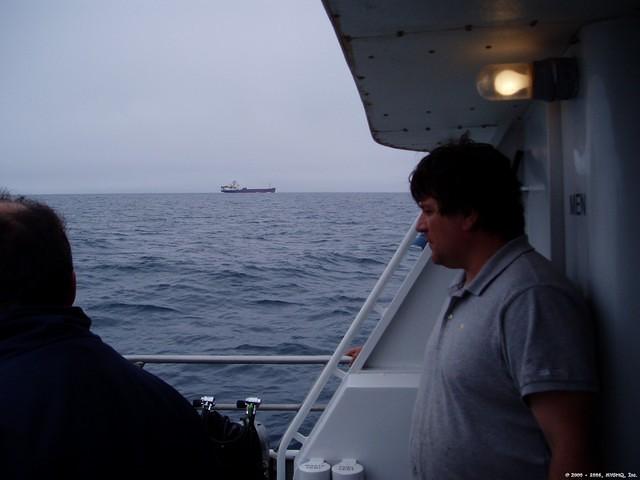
469	220
71	295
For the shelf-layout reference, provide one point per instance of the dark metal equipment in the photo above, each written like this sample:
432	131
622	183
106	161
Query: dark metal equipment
240	449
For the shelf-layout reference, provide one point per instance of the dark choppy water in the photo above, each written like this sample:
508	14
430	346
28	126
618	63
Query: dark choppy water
217	274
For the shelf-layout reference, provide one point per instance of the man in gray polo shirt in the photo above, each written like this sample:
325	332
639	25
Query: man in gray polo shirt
509	371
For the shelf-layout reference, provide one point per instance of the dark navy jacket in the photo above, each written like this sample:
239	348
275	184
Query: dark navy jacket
71	407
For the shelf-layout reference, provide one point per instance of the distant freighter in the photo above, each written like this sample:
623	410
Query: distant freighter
234	187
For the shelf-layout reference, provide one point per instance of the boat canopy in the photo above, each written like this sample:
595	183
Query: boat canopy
415	63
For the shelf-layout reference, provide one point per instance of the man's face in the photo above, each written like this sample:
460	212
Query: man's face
447	234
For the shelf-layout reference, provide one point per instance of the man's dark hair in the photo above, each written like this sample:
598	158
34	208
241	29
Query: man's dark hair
36	267
467	176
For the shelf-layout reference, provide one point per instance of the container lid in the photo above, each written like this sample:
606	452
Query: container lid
314	465
348	467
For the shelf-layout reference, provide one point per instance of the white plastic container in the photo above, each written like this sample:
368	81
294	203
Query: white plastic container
349	469
313	469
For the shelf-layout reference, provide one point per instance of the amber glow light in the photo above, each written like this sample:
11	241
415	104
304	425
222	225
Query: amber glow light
510	81
550	79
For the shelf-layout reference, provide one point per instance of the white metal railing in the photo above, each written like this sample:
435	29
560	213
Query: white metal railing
271	407
331	367
243	360
237	359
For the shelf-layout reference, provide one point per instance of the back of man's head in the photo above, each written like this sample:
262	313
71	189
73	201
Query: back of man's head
36	267
465	176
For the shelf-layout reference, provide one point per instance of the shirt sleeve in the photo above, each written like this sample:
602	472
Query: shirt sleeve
548	341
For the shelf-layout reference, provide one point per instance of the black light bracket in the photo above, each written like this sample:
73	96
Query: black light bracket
555	79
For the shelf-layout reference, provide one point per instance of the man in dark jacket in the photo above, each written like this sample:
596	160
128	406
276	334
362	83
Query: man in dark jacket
70	406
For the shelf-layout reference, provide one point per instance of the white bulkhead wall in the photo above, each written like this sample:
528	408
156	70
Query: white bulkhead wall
601	156
590	146
537	134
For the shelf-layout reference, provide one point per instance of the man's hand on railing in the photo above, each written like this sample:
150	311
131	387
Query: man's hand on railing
353	352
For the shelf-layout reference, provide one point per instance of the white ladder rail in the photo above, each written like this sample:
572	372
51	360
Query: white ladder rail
332	364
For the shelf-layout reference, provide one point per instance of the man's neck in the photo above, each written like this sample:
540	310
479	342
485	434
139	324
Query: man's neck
482	248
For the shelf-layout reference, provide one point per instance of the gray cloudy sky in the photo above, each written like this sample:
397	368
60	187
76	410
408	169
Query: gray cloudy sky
181	96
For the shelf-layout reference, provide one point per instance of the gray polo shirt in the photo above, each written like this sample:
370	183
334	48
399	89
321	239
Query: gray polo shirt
518	328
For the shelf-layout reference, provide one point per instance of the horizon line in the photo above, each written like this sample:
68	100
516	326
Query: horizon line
205	193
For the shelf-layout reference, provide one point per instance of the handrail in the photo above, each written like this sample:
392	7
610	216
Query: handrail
237	359
332	365
243	360
271	407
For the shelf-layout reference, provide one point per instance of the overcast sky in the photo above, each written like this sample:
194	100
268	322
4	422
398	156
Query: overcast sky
182	96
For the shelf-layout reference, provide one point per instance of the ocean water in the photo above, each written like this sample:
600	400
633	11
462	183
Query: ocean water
265	274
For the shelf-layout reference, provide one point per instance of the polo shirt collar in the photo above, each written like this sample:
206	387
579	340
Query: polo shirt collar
494	267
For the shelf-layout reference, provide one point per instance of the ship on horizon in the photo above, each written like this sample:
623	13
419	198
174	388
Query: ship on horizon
234	187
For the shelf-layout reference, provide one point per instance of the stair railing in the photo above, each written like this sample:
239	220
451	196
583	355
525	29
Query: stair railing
331	368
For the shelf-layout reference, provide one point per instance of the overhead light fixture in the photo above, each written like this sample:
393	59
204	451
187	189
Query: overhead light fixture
550	79
507	81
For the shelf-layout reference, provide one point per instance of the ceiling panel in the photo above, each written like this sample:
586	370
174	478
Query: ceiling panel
415	62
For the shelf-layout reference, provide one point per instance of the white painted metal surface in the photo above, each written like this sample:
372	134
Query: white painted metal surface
398	340
415	62
368	419
601	158
596	150
237	359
